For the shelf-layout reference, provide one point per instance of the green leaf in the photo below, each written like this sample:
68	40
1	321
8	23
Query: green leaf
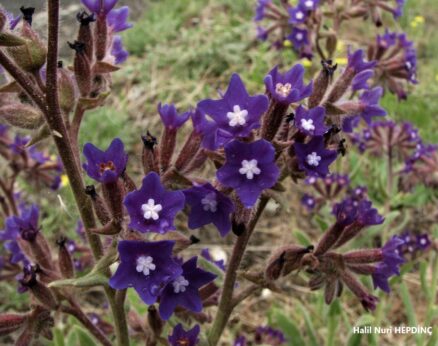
289	328
83	337
302	238
89	280
309	324
58	337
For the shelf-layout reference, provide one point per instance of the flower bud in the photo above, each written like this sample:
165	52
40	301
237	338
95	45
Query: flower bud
9	323
65	261
150	153
322	82
30	56
332	288
113	194
285	260
67	94
101	37
22	116
85	34
10	40
82	68
99	205
40	291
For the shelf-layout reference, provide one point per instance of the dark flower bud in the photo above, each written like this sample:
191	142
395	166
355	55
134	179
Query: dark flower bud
22	116
99	205
285	260
67	94
332	288
28	13
85	34
128	182
82	68
65	261
113	194
154	321
321	83
149	157
316	282
101	37
367	300
40	291
9	323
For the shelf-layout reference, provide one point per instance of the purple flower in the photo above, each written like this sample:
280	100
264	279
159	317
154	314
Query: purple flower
205	253
386	40
313	158
260	9
422	241
240	341
180	337
18	145
369	100
249	169
262	33
146	266
17	255
289	87
309	5
209	206
99	6
152	208
389	265
398	11
269	336
369	302
205	128
356	61
310	122
297	15
184	290
308	201
360	81
117	51
237	113
118	19
170	117
105	166
26	224
299	37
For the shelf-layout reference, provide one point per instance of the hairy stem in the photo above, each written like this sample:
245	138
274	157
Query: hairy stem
226	307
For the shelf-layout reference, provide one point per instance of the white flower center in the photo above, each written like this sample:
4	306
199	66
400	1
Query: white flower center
237	116
308	3
145	265
408	65
151	210
283	89
180	284
313	159
410	249
423	241
299	36
307	124
249	168
209	202
299	15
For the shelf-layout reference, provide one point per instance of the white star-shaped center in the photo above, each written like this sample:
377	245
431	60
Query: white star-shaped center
313	159
307	124
209	202
237	117
249	168
180	284
145	264
151	210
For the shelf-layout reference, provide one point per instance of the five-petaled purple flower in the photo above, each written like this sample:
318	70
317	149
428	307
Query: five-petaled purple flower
170	117
99	6
297	14
152	208
389	265
237	113
26	225
180	337
249	169
146	266
357	62
369	101
184	290
209	206
289	87
299	37
260	9
313	158
310	122
105	166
